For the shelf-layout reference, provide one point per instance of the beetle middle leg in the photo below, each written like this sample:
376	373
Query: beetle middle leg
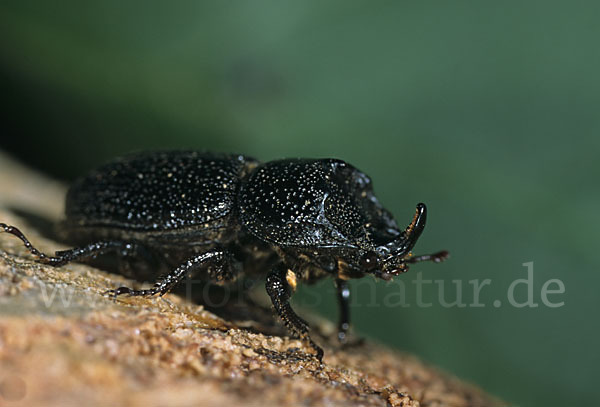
170	280
280	291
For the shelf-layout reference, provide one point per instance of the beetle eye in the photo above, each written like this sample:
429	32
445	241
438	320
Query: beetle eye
369	261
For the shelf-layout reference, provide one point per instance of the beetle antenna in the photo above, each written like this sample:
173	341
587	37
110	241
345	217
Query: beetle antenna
435	257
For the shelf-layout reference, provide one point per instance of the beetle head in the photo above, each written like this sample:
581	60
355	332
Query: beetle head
389	258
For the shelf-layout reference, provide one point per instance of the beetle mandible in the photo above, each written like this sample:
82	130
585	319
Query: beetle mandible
222	215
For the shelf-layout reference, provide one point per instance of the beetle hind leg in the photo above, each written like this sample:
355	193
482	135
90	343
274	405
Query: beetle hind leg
62	257
279	290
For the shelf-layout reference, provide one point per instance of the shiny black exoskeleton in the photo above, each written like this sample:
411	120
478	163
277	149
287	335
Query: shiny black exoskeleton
221	215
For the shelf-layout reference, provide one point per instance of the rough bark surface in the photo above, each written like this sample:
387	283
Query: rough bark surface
62	343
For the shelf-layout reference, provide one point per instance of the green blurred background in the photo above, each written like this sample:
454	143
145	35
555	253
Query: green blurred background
486	111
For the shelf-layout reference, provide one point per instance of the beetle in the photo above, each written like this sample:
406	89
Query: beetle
222	215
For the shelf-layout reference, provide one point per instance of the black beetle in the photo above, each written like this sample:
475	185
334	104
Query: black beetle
301	219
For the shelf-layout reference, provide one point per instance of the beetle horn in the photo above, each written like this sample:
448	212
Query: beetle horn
414	230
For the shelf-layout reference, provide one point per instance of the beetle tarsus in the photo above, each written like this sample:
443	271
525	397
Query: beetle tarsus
130	292
44	258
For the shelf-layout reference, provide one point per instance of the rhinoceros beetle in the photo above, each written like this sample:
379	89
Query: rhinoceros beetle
223	215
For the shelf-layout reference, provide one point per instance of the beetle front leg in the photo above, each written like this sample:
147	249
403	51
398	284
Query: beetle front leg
280	291
167	282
